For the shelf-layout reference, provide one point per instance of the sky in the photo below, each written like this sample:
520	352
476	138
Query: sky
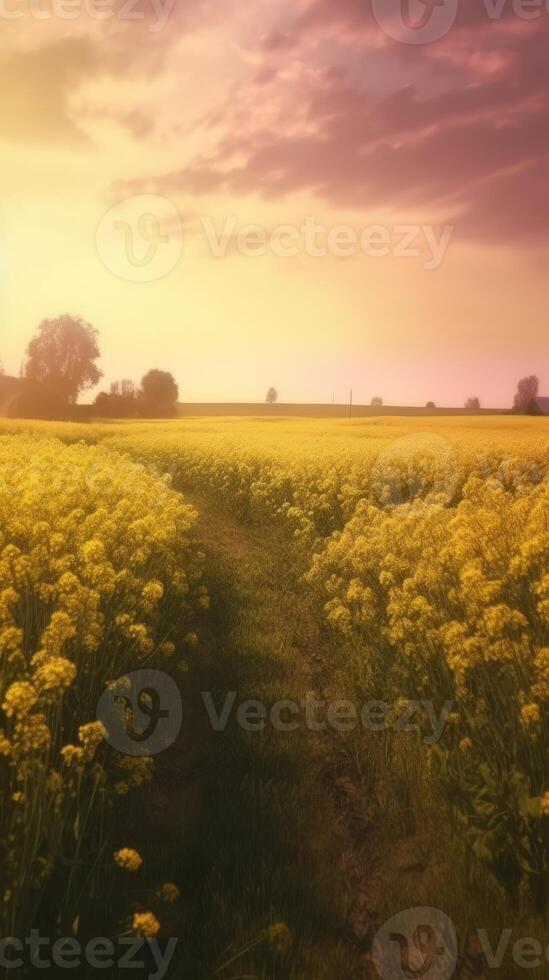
300	193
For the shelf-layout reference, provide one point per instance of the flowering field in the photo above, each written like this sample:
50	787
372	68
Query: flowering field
427	543
422	545
97	576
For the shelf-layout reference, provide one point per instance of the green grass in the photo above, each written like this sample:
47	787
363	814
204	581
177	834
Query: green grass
266	846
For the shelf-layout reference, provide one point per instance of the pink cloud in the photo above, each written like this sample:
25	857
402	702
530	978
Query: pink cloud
455	127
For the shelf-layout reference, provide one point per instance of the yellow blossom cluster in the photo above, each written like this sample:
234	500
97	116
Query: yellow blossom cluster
128	859
425	544
449	605
98	575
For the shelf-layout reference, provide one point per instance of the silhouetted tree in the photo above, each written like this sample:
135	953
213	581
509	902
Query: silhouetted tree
473	404
119	403
527	390
430	405
272	396
376	401
158	395
61	357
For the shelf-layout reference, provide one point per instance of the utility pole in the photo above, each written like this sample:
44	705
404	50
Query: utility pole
351	404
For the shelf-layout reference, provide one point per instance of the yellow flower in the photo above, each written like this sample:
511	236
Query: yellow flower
146	924
5	745
20	698
72	754
530	715
30	734
153	592
168	892
55	781
138	769
128	859
93	551
90	737
55	674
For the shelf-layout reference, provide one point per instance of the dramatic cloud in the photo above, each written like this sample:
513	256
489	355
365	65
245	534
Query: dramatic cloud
271	113
456	128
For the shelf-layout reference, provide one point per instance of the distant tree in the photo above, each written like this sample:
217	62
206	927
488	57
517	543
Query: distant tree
430	405
527	389
473	404
61	357
123	389
119	403
272	396
158	395
376	401
1	369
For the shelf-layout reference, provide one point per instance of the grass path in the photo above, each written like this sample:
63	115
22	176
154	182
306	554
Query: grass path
289	825
268	845
274	827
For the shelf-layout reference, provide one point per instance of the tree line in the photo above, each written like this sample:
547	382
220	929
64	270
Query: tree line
61	363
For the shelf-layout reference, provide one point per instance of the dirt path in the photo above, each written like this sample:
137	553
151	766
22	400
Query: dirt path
287	830
268	826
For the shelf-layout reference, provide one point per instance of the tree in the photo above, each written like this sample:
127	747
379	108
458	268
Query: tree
473	404
119	403
123	389
272	396
62	357
527	390
158	395
430	405
376	401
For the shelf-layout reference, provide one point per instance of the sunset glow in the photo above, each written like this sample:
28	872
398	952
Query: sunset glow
272	115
